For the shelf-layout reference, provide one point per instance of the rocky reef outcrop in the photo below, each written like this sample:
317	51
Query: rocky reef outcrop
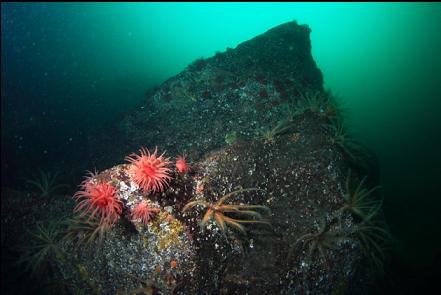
274	202
236	93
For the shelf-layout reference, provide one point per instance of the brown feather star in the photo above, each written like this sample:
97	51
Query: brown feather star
217	211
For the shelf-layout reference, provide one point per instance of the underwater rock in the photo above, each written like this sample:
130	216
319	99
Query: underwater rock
158	257
241	90
265	206
299	178
255	217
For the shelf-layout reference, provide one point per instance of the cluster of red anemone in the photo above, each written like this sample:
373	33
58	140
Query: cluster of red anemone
182	165
149	171
99	201
143	212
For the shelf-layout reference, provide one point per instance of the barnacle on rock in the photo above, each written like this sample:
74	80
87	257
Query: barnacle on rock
168	229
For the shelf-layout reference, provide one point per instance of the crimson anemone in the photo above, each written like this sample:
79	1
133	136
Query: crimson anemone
143	212
182	165
149	171
98	201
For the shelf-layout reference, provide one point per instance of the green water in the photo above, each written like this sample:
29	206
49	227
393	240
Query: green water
69	67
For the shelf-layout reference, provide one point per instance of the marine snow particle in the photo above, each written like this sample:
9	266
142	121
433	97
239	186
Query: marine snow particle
181	165
98	201
149	171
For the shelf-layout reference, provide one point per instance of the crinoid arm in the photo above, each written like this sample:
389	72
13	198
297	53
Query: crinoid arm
206	217
46	184
372	239
304	238
359	202
220	221
234	223
44	246
192	204
84	230
254	221
217	212
232	209
240	207
229	195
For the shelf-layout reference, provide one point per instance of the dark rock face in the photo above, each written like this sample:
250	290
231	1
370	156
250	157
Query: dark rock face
297	174
268	160
282	53
238	91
